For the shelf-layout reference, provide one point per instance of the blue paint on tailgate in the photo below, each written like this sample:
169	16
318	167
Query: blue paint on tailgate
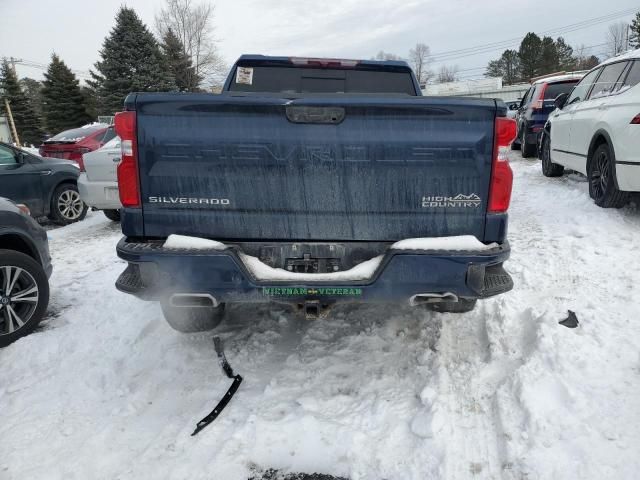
235	167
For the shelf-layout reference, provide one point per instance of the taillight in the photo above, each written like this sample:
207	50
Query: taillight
539	103
128	186
501	173
76	156
636	120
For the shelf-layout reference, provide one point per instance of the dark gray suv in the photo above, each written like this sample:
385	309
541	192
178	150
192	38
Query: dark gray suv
25	267
48	186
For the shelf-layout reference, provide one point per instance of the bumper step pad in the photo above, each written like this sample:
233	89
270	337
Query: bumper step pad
496	280
130	280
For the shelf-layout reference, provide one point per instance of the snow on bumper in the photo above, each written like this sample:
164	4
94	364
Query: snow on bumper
155	271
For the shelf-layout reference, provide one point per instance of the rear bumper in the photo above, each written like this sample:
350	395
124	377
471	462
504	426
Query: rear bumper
100	195
155	272
628	176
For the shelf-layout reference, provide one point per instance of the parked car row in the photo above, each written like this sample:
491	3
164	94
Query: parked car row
535	107
595	130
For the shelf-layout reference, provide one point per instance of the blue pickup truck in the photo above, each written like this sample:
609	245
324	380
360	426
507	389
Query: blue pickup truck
312	182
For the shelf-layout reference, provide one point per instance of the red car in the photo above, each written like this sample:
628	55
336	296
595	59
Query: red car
71	144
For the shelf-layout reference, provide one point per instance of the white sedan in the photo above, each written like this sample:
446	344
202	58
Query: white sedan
98	184
595	130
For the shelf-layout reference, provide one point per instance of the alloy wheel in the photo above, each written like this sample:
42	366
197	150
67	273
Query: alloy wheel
19	297
546	153
70	205
600	175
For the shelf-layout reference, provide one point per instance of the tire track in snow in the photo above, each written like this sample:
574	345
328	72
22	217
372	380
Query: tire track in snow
467	418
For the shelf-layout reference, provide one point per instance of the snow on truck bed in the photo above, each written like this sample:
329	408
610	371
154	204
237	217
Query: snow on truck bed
107	390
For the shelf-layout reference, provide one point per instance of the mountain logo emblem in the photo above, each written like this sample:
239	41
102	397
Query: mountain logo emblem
461	200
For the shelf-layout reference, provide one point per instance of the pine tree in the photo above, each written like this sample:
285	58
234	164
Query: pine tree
529	54
131	61
511	66
27	122
64	105
587	63
33	91
548	57
566	60
90	100
179	63
507	67
634	34
494	69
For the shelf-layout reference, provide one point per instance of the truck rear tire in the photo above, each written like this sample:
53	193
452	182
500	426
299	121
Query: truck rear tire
461	306
192	319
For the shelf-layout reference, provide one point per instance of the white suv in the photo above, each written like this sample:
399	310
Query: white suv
595	130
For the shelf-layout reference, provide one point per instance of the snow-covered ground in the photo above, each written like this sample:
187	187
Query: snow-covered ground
105	389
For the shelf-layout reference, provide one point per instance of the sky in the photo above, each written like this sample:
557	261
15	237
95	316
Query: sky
75	29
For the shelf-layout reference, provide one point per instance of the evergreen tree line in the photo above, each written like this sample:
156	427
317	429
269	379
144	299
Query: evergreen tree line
634	36
131	60
540	56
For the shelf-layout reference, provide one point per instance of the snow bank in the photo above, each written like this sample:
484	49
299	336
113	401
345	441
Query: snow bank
193	243
462	242
260	271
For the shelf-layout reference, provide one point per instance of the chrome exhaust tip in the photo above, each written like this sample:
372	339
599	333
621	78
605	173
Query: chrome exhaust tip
188	300
424	298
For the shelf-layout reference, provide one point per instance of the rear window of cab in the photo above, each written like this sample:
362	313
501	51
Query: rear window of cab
555	89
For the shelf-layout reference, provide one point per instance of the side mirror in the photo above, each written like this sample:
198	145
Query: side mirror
560	100
514	106
20	157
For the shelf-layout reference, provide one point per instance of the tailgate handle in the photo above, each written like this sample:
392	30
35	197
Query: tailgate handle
323	115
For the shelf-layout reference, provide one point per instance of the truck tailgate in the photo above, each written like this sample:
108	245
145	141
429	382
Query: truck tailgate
315	168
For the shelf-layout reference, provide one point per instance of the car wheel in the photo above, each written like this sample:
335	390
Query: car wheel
526	149
192	319
66	205
602	185
24	295
549	169
113	215
461	306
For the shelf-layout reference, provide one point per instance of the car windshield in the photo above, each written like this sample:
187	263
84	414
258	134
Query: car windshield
76	134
